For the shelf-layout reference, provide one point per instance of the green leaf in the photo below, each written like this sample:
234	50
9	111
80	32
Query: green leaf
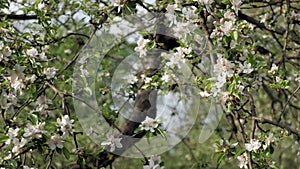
33	118
3	138
220	157
235	35
66	152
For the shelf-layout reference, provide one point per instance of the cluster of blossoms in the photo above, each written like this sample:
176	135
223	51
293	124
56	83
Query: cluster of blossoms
254	146
66	126
30	132
149	124
177	58
225	26
154	163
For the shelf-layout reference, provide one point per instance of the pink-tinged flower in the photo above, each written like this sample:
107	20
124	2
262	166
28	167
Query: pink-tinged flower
254	145
113	142
55	142
243	160
50	72
6	51
32	52
230	16
227	27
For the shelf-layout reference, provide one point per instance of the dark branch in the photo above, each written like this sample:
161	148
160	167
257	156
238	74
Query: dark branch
18	17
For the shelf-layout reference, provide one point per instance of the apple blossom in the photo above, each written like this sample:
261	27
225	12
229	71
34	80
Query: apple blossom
243	161
32	52
254	145
34	131
66	125
113	142
55	142
149	124
141	46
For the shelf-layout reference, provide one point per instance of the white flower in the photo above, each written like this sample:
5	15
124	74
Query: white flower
171	8
149	124
223	67
205	2
153	163
236	4
12	134
26	167
227	27
190	13
167	77
254	145
32	52
175	59
55	141
141	46
34	131
182	50
268	140
274	68
66	125
146	79
18	145
264	18
246	68
204	94
243	160
131	79
16	82
182	29
116	3
277	79
50	72
68	51
113	142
